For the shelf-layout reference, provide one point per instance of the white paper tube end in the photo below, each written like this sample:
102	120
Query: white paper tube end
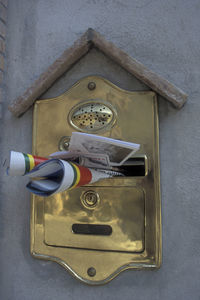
17	163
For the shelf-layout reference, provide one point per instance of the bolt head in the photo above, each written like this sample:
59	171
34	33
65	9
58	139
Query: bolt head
91	272
91	85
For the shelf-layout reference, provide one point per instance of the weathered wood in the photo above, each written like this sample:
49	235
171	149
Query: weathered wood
158	84
46	79
90	39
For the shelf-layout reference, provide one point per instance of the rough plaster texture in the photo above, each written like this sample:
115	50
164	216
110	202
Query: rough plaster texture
162	34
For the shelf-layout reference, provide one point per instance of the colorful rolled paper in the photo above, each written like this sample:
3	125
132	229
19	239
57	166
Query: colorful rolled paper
82	175
56	175
22	163
51	176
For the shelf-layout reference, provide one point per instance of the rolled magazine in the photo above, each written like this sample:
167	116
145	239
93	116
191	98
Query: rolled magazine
88	159
55	175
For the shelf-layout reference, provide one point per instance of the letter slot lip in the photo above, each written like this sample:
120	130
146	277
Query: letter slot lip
134	167
92	229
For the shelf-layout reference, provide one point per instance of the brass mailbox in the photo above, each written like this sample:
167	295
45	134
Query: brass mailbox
124	213
99	230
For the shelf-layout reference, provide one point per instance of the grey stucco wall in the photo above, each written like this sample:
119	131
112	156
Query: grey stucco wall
164	35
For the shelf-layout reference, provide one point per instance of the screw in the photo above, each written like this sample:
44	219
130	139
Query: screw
91	272
91	85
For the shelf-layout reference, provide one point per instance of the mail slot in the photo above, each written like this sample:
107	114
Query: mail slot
113	224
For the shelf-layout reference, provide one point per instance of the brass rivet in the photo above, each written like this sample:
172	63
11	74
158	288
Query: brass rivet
90	199
91	85
64	143
91	272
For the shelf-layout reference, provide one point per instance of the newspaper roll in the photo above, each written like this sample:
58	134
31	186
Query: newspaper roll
55	175
22	163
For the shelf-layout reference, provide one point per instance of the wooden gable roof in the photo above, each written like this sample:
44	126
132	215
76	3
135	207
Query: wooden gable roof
88	40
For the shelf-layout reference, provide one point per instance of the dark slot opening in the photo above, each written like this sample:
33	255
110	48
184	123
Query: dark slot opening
92	229
134	166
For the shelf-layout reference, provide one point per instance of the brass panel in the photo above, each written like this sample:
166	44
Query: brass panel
130	205
66	209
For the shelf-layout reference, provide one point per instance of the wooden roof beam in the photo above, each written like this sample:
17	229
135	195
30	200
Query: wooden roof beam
90	39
